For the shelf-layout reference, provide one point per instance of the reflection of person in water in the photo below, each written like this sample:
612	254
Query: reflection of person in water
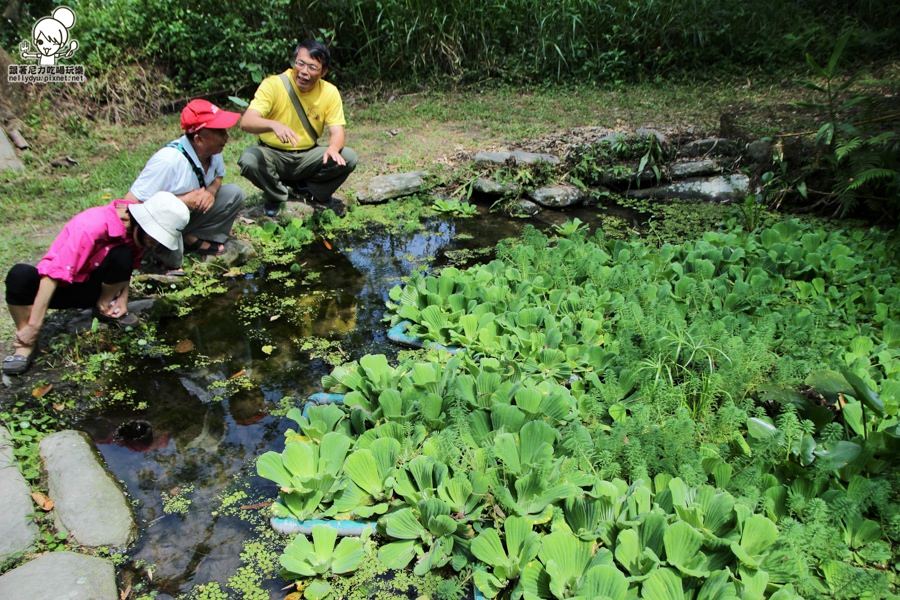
50	36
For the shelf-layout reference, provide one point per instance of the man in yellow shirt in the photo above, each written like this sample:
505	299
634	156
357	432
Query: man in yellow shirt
289	112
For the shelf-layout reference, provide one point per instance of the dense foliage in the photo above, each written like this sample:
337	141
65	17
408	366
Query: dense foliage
709	419
209	46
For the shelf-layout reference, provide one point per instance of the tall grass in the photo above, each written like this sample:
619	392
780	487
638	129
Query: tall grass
207	45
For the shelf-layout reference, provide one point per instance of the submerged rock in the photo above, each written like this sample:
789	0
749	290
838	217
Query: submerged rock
89	503
715	189
17	529
387	187
557	196
61	575
516	156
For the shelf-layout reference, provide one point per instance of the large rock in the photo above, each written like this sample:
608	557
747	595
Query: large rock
759	152
489	187
694	168
710	147
557	196
726	188
17	529
388	187
89	504
516	156
294	209
237	252
8	158
62	575
524	208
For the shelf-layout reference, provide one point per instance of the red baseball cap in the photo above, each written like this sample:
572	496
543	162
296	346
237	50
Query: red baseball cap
200	113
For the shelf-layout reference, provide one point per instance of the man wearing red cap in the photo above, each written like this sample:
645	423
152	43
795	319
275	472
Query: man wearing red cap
289	112
192	168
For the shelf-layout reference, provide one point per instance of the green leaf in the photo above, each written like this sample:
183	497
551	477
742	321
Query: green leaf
270	466
605	582
397	555
317	590
682	544
662	584
488	549
761	429
404	525
362	468
863	393
347	556
718	586
838	454
757	535
487	584
565	558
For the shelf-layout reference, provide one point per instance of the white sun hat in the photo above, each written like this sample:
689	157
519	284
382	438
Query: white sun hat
162	216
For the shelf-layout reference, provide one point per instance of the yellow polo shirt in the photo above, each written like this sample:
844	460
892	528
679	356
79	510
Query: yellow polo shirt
322	104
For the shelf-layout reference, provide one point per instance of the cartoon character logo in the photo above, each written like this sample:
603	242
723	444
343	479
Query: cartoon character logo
51	38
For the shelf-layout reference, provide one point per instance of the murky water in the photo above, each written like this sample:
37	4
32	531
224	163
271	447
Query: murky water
195	432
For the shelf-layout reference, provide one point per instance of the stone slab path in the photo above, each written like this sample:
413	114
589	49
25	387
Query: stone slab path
89	504
17	528
63	575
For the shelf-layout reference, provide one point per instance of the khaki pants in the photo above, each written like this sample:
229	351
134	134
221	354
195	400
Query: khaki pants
273	170
214	225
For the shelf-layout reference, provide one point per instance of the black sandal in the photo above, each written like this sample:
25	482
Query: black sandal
16	364
212	249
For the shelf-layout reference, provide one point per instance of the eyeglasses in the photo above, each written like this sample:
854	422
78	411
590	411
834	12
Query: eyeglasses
310	67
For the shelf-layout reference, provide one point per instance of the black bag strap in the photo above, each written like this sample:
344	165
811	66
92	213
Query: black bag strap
197	171
299	108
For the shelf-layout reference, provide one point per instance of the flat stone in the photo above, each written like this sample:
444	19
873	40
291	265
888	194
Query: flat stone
727	188
516	156
489	187
715	146
17	529
694	168
387	187
557	196
89	503
61	575
8	158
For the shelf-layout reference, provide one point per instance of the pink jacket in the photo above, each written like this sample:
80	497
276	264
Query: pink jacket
84	243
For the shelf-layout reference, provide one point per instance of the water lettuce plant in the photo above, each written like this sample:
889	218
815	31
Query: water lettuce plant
321	557
629	420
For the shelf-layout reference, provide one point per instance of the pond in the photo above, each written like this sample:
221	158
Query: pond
199	433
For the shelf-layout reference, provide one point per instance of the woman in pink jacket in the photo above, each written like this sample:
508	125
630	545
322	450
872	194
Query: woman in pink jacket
89	265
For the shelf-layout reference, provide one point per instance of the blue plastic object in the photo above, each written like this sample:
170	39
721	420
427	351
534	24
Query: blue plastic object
325	398
476	595
398	334
320	398
290	526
